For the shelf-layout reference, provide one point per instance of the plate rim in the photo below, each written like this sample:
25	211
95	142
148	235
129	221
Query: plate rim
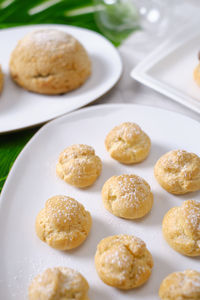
71	115
114	83
140	72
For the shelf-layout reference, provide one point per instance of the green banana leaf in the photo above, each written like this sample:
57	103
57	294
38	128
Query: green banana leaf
22	12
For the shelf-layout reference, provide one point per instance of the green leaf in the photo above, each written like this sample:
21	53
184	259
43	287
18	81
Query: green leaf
10	147
21	12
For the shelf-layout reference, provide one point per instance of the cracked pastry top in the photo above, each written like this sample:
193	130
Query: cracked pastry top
127	143
78	165
63	223
49	61
178	172
181	228
123	261
127	196
181	286
59	283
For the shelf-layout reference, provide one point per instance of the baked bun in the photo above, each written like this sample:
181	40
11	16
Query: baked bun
127	143
181	286
178	172
197	74
49	61
64	223
59	283
123	261
1	80
127	196
181	228
79	166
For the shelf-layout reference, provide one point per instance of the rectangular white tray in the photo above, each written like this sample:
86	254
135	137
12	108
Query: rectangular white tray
169	69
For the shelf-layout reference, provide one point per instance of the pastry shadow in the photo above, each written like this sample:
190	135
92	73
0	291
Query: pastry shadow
99	231
108	170
97	294
196	258
189	196
157	150
160	207
162	268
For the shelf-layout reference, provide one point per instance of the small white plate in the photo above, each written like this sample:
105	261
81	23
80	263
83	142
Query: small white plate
169	69
33	180
20	109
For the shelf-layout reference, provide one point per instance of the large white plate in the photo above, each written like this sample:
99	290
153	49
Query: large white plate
20	108
33	180
169	69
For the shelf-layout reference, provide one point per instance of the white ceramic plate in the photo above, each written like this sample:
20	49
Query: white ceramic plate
20	109
169	69
33	180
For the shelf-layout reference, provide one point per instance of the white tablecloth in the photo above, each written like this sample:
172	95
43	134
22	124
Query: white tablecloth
134	49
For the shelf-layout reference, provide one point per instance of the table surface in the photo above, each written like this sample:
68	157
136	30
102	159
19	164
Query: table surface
132	51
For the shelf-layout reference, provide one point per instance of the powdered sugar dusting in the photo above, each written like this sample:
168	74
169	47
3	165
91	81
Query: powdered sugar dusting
180	163
191	213
63	209
117	257
81	161
121	257
72	279
77	150
177	159
128	130
133	189
48	38
187	282
140	271
57	280
173	159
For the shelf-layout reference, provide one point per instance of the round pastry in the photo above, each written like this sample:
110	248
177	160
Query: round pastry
123	261
127	143
79	166
59	283
1	80
127	196
49	61
64	223
181	228
197	72
178	172
181	286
